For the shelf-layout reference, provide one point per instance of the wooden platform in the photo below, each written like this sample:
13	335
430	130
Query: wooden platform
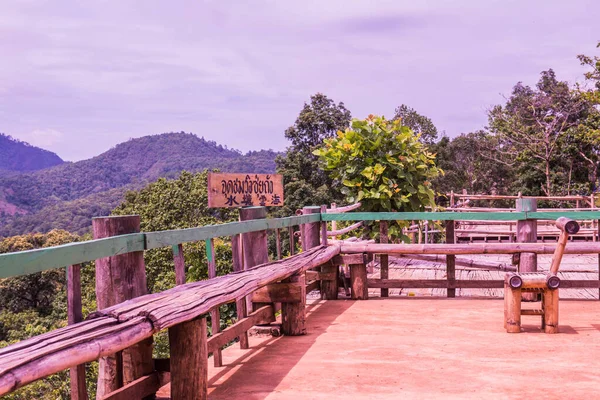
416	348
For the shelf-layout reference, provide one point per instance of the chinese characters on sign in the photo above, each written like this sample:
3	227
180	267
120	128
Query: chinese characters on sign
244	190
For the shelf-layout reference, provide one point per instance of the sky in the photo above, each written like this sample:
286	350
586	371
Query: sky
77	77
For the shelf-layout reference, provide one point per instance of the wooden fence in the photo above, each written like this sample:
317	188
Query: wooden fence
119	334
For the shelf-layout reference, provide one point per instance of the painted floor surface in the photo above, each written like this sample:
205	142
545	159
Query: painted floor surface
417	348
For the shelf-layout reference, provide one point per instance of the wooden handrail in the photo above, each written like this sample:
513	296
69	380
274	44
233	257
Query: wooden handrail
123	325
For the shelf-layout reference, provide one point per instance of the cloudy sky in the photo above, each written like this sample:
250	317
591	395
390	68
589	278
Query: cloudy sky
79	77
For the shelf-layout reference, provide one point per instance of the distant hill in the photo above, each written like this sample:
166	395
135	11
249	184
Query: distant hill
69	195
16	155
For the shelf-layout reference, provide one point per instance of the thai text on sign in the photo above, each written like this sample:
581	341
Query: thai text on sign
244	190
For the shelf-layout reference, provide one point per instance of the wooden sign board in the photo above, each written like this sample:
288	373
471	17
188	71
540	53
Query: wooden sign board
244	190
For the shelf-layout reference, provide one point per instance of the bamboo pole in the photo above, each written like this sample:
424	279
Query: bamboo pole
240	304
462	249
215	314
551	311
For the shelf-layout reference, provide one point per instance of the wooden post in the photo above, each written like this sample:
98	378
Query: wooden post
215	314
74	315
311	231
292	243
384	258
240	304
358	281
120	278
452	199
450	259
550	300
278	243
179	260
512	302
527	233
189	360
293	315
329	288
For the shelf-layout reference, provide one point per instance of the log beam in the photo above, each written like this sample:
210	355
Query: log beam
279	293
359	289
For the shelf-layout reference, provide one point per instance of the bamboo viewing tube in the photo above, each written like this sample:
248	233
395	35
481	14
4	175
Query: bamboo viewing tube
567	227
345	208
344	230
478	248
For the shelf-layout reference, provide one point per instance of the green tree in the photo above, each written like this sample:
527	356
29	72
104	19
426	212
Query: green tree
532	130
420	124
304	183
381	164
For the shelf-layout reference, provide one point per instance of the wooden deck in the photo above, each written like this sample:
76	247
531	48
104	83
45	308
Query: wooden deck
416	348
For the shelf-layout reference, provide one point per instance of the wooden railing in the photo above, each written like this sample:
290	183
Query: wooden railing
118	328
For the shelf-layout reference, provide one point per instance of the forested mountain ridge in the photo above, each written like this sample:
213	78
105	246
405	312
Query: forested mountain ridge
71	192
16	155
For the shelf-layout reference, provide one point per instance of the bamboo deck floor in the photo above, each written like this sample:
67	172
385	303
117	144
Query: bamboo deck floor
573	266
416	348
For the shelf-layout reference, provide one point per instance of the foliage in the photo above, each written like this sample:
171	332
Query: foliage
383	165
304	183
37	303
419	124
178	204
16	155
71	194
532	129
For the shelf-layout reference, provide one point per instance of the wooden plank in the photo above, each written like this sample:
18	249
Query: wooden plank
278	293
263	315
74	315
320	276
140	388
189	363
32	261
173	237
244	190
347	259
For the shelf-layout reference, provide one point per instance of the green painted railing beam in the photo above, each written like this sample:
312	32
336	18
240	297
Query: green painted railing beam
458	216
31	261
174	237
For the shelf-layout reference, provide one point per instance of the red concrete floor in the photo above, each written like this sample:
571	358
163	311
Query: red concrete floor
418	348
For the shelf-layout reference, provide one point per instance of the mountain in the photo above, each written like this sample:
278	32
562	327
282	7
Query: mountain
16	155
69	195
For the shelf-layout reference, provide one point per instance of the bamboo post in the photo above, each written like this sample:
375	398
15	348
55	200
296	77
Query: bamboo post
333	223
120	278
452	199
240	304
384	258
527	233
329	288
74	315
215	314
512	301
358	281
413	235
450	259
179	260
189	360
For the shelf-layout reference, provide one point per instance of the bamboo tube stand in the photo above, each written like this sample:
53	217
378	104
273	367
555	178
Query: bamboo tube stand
538	283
